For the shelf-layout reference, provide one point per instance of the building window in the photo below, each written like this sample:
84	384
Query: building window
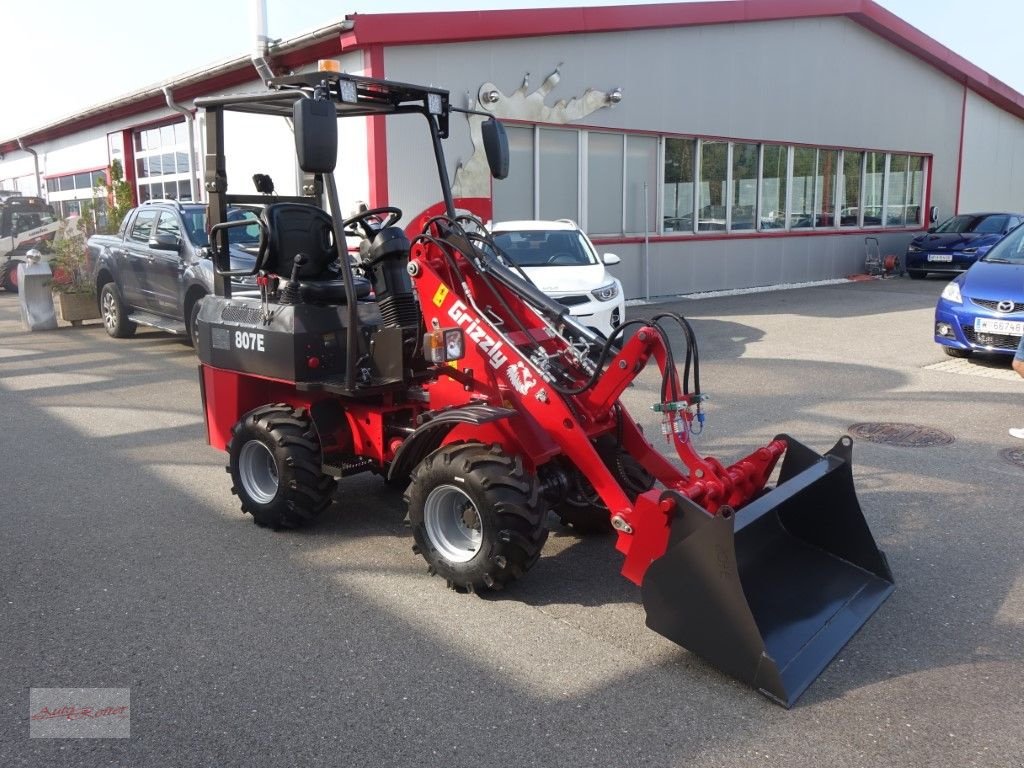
559	172
706	185
604	183
849	189
714	162
743	187
513	196
874	188
641	193
906	187
774	173
678	188
161	163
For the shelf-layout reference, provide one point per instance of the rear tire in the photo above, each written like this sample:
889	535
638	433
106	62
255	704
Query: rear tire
953	352
114	313
190	331
916	274
476	515
276	467
9	277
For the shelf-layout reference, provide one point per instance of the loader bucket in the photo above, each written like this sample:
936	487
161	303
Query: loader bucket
771	593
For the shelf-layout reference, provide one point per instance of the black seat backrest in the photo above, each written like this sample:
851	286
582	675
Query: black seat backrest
294	228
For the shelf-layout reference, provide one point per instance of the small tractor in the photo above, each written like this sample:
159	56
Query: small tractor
429	359
25	223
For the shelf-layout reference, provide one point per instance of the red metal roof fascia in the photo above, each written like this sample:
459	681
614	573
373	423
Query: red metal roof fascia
465	26
458	26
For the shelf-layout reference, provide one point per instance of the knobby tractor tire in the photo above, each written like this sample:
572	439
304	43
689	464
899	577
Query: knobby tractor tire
276	467
9	277
477	516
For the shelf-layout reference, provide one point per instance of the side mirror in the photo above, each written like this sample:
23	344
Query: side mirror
165	243
316	135
610	259
496	147
933	214
930	230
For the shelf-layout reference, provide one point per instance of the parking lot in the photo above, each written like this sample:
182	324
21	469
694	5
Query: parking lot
125	562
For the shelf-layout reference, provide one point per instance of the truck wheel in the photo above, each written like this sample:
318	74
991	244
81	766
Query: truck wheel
276	467
9	277
114	313
193	312
476	515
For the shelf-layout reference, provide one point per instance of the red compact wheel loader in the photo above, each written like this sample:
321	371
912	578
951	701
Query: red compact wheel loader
431	360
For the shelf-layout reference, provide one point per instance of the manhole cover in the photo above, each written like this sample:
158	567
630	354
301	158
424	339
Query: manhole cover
904	435
1013	456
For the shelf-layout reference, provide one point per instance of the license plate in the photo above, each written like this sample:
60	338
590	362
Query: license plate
1005	327
940	257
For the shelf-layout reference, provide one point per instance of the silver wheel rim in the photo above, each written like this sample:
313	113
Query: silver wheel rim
257	471
109	310
452	523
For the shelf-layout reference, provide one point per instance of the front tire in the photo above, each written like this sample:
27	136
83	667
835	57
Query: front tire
954	352
114	313
476	515
276	467
916	274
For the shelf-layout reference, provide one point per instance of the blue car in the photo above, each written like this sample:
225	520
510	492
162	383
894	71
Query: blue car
957	242
982	310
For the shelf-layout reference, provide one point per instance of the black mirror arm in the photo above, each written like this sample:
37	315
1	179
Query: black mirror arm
217	252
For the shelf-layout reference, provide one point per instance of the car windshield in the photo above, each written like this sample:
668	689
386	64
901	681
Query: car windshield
545	248
195	223
993	224
1009	250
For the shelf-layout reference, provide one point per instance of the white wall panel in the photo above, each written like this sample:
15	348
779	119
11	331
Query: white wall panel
993	158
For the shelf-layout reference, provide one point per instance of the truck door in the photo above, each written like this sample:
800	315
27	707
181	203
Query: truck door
133	262
165	267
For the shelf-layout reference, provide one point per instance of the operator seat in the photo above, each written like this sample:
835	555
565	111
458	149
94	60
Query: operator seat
294	228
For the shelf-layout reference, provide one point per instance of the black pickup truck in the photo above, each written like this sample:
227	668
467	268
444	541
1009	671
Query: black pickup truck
156	269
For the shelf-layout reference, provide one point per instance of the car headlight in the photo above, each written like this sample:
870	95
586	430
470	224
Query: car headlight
979	249
606	292
913	249
970	250
952	293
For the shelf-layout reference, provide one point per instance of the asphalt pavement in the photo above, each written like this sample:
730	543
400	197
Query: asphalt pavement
126	563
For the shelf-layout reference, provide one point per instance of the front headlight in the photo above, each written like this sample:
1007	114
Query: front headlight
980	250
952	293
606	292
913	249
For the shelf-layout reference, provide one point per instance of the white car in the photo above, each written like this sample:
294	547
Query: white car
560	259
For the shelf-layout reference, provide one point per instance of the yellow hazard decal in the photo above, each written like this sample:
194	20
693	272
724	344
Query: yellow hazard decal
440	294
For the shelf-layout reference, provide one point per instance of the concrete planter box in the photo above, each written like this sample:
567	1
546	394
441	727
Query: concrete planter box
76	307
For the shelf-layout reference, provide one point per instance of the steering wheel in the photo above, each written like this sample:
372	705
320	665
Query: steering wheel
362	219
562	256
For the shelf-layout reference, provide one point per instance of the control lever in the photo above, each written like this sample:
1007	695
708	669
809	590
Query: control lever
290	292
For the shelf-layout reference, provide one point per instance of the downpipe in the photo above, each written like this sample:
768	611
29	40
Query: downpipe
35	160
190	122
